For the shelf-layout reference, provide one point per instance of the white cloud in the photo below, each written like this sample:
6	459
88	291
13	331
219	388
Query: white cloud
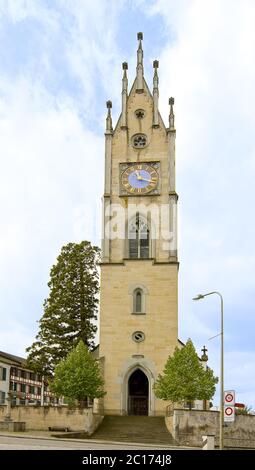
19	9
76	43
49	163
211	72
52	163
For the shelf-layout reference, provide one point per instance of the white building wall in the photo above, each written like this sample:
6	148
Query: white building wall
4	381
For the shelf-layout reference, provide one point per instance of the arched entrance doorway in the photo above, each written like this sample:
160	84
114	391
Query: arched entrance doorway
138	393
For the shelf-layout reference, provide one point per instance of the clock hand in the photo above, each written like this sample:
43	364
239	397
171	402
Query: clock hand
145	179
137	175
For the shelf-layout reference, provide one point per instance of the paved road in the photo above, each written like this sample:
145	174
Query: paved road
25	443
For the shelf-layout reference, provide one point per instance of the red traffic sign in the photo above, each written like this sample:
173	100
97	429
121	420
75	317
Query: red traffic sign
239	405
229	413
229	397
229	410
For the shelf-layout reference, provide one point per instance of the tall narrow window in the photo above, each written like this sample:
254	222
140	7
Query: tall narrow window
133	242
2	373
138	301
139	238
138	293
144	243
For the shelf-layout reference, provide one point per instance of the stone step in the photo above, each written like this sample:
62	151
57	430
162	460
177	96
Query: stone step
145	429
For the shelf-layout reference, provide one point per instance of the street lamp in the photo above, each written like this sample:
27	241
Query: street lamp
199	297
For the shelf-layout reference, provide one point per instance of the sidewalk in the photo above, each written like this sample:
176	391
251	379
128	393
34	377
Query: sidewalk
47	435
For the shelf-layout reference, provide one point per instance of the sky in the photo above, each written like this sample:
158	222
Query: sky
60	60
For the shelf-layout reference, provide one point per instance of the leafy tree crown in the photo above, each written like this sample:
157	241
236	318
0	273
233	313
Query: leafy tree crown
184	377
78	376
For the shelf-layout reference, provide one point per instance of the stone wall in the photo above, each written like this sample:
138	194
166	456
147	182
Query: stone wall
43	417
188	427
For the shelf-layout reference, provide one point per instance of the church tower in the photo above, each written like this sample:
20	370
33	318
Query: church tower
139	269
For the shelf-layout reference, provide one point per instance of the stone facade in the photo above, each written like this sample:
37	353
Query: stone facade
159	324
156	275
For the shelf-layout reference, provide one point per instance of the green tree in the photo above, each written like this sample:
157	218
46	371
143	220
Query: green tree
70	308
185	378
78	376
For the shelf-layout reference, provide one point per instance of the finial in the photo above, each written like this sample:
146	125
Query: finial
124	96
124	80
155	78
204	356
109	117
155	94
139	67
171	115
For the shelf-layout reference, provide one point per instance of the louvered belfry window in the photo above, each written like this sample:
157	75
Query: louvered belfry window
139	238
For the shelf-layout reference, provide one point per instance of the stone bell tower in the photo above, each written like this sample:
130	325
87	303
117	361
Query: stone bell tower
139	269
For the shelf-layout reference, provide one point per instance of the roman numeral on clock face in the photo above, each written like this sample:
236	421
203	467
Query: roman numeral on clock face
139	178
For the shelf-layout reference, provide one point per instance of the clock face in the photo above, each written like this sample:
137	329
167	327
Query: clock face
139	178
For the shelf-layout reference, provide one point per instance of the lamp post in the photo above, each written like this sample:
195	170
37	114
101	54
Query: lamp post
198	297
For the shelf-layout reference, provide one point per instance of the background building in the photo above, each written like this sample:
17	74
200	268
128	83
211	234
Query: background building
25	386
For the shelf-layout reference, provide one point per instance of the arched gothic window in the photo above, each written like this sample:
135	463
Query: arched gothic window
138	301
138	293
139	238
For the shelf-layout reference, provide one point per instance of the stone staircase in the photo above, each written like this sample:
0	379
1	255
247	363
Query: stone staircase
141	429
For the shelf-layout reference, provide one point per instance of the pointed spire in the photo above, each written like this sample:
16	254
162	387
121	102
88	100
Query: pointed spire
155	94
171	115
124	96
139	67
109	117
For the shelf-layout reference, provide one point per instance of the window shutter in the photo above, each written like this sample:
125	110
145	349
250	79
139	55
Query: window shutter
144	247
133	248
